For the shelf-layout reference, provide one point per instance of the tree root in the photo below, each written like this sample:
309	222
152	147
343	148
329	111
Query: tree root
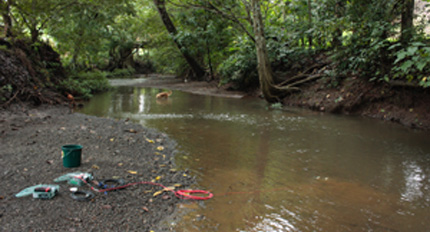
293	86
292	83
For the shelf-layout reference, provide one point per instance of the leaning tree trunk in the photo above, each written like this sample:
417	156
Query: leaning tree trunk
407	24
161	7
264	69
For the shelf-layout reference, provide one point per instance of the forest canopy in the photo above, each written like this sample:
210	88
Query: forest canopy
224	40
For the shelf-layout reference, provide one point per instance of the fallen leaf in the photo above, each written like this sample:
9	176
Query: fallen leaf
95	166
158	193
158	178
145	209
132	172
131	131
112	139
165	197
120	164
177	185
160	148
150	140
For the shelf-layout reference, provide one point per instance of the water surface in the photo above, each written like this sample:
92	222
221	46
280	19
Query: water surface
291	170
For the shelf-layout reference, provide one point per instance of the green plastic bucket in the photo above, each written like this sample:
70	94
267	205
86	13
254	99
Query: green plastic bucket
71	155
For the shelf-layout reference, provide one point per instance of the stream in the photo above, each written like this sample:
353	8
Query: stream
285	170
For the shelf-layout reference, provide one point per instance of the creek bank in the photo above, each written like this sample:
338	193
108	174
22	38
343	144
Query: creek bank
408	106
29	73
30	154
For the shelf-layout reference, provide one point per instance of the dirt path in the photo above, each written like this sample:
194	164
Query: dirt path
30	154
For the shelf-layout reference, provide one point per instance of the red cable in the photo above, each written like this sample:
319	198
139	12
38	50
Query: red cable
187	194
182	194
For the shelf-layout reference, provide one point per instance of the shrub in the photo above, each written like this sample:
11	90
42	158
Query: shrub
84	84
412	63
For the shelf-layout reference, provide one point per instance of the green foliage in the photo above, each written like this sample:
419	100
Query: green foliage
412	63
84	84
365	59
276	106
5	92
93	33
121	73
241	66
360	36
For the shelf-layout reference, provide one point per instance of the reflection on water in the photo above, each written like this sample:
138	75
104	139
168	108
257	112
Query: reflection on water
286	171
414	178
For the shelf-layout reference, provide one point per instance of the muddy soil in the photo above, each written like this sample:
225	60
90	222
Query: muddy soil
404	105
30	154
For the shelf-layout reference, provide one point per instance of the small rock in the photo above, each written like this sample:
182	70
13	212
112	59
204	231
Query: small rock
106	206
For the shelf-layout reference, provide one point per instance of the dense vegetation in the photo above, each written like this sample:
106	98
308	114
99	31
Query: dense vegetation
294	41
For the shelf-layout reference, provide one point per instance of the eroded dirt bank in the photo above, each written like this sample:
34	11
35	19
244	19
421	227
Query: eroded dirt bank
30	154
408	106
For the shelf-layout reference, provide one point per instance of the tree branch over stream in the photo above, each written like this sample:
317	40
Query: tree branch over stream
208	6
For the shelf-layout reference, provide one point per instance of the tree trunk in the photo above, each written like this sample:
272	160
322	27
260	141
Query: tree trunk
310	23
264	69
198	71
7	21
407	24
34	34
339	9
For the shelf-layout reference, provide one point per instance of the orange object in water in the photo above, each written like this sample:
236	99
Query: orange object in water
164	94
70	97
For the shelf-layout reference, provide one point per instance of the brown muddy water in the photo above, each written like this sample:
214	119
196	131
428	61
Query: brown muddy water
292	170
